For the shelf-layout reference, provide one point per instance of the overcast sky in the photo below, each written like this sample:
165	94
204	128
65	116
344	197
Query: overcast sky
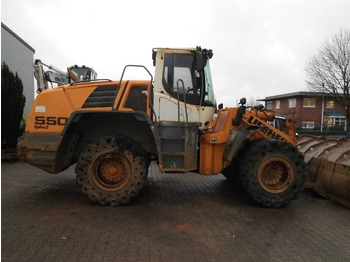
260	46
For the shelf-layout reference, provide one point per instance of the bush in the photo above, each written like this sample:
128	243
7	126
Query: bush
12	104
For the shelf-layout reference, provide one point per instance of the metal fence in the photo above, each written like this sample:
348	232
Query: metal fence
321	130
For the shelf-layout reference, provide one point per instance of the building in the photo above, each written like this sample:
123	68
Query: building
315	112
19	57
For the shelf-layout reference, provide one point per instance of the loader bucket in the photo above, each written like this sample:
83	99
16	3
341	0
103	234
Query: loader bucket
328	163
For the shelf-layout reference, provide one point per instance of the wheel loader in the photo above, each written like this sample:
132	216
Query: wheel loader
112	130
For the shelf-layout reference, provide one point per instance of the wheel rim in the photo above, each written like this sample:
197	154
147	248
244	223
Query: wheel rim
275	175
111	171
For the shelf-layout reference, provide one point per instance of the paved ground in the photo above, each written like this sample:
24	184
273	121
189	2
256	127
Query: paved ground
178	217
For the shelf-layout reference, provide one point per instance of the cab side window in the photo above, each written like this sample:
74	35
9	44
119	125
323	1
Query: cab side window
181	80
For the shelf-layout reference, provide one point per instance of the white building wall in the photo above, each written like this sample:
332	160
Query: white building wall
19	56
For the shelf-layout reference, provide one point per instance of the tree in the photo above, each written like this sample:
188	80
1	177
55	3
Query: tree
252	101
12	104
329	71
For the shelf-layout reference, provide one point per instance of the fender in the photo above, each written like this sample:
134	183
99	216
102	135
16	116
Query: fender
56	152
238	136
84	127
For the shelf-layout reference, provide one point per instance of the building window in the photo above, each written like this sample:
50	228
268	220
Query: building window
292	103
328	121
268	105
277	104
339	121
330	104
309	102
308	124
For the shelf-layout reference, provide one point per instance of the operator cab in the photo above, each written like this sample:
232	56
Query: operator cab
183	86
84	73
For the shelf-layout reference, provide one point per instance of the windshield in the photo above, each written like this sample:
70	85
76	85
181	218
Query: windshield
209	97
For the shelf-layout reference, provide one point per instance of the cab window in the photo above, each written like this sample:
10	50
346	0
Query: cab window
180	80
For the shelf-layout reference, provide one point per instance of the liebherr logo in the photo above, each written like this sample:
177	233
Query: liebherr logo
267	130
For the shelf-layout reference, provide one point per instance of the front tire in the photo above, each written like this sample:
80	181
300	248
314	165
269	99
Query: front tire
272	172
112	171
230	173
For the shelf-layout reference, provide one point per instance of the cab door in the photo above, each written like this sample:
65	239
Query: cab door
183	89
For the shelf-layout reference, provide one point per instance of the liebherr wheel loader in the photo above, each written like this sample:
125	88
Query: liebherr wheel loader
112	130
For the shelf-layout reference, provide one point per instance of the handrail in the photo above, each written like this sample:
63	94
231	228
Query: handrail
91	80
178	99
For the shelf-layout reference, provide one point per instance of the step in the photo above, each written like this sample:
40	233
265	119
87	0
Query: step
174	170
172	137
172	153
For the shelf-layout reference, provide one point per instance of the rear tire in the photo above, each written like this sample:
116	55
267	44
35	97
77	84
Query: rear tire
272	172
112	171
